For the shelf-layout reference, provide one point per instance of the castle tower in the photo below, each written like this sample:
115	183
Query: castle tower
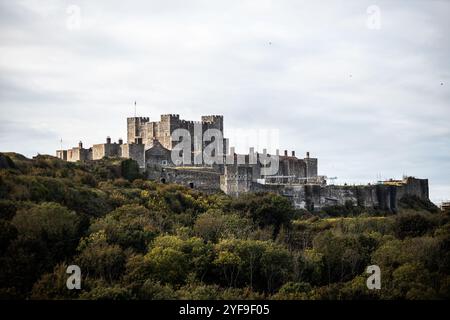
169	123
136	128
311	166
213	122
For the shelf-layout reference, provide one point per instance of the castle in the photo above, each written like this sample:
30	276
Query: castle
151	144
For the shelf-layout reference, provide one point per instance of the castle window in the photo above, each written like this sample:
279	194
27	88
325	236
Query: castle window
164	162
191	185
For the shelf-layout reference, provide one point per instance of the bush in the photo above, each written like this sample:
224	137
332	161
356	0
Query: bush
130	170
8	209
129	226
8	233
412	225
55	225
416	203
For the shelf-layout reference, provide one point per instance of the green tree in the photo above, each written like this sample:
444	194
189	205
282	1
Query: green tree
52	286
266	209
412	225
99	259
52	223
130	170
129	226
262	264
171	258
214	225
8	233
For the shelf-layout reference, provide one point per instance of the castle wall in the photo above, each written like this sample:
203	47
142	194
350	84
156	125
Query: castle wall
61	154
162	130
417	187
157	155
237	179
292	166
136	128
311	167
206	180
134	151
315	197
99	151
79	154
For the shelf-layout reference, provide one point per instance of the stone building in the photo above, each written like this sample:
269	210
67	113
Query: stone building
108	149
157	155
135	151
150	144
148	131
99	151
75	154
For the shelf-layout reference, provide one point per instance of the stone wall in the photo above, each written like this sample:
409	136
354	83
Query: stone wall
380	196
79	154
311	166
162	130
236	179
135	128
134	151
203	179
99	151
291	166
157	155
61	154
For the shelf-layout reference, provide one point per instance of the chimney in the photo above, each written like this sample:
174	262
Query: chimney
293	153
108	140
285	153
120	141
80	145
307	155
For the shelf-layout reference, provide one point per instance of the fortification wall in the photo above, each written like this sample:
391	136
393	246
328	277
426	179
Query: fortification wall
79	154
201	179
236	179
163	129
134	151
136	128
99	151
315	197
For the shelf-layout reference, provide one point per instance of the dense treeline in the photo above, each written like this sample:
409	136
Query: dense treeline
137	239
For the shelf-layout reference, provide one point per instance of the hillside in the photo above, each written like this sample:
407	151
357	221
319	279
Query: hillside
138	239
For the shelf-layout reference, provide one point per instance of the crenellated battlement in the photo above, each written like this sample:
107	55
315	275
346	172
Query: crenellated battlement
212	118
170	116
140	119
141	129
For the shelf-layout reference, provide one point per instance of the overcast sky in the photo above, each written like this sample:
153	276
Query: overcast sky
362	85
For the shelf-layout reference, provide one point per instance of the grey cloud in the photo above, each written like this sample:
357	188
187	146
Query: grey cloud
365	102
